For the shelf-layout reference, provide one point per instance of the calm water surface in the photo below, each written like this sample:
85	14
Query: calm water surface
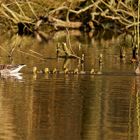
71	107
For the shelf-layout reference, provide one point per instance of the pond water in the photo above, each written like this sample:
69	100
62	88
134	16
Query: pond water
69	106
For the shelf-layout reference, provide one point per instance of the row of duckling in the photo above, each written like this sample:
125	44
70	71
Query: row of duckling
65	71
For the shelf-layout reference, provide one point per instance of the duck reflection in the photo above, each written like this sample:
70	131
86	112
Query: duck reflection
14	76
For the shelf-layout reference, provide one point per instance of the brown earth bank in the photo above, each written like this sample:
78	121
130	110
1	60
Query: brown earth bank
86	15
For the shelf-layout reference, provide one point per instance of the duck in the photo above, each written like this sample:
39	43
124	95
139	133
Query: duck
7	69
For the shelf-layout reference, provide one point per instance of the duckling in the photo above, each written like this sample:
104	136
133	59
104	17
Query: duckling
35	70
137	71
66	71
34	76
46	71
92	71
99	72
54	70
101	58
83	58
76	71
58	49
82	72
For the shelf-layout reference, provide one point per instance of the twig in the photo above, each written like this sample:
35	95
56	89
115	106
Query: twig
96	5
125	6
126	12
8	17
31	9
133	24
66	49
35	52
31	55
70	46
20	8
73	11
16	17
82	10
10	11
58	9
12	51
120	19
138	30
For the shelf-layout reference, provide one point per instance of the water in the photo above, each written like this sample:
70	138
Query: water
66	107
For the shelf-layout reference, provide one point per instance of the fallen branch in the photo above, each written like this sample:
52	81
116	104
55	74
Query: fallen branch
60	23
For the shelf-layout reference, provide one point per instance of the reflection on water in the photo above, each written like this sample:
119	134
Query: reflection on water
110	109
13	76
69	107
66	107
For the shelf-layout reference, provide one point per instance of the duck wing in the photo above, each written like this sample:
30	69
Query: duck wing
11	68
